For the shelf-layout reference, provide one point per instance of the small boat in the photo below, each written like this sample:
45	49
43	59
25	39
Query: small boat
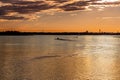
63	39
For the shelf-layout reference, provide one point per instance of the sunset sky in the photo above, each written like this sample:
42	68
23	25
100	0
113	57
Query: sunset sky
60	15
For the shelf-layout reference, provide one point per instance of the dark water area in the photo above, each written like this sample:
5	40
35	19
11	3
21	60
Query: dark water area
42	57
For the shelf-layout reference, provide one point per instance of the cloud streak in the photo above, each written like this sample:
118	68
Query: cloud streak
23	9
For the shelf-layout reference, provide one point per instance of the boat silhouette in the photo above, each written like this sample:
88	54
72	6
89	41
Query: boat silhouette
63	39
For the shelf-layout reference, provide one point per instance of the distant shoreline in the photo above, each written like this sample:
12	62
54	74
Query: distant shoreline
16	33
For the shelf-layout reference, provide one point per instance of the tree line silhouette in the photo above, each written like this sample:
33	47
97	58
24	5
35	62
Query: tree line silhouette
58	33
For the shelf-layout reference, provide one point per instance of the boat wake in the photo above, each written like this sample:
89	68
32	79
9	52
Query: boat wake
53	56
46	57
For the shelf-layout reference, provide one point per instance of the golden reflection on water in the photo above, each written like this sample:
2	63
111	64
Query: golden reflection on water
99	57
43	58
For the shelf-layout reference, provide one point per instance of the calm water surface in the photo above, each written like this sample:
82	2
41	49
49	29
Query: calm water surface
44	58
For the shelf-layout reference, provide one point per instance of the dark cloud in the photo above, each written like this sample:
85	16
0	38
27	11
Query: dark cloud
12	18
80	5
2	12
61	1
8	1
23	8
30	7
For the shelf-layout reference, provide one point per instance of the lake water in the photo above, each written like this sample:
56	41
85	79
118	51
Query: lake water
42	57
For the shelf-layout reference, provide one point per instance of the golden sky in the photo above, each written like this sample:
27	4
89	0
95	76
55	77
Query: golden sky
60	15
